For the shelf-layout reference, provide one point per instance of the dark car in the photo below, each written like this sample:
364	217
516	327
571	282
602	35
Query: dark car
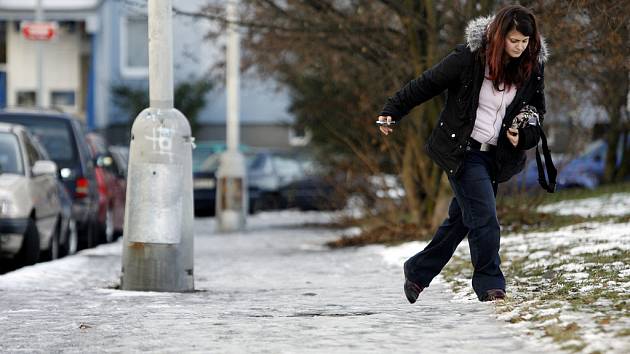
312	190
69	237
587	170
64	140
205	183
111	194
286	179
121	159
270	172
120	155
527	180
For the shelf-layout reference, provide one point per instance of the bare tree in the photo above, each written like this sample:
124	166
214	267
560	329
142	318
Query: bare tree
340	60
591	49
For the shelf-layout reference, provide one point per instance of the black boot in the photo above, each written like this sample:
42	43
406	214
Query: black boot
494	294
412	291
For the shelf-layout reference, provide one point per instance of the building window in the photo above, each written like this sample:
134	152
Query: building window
26	98
65	99
134	51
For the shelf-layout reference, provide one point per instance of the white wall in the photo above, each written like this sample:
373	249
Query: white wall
195	56
61	65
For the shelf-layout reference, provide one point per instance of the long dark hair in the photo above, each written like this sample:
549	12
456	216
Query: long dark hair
511	71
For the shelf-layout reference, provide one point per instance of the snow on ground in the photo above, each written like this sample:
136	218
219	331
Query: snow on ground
613	204
273	288
570	286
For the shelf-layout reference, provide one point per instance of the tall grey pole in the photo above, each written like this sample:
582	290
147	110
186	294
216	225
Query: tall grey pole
232	198
39	96
158	231
232	78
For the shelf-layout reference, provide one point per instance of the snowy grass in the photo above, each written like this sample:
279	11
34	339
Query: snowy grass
570	286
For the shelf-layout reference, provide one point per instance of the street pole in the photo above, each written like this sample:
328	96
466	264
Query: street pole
232	199
158	231
39	95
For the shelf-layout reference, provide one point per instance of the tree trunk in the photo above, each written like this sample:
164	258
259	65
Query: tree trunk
614	99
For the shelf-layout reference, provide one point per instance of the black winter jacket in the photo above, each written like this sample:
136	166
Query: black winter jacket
461	74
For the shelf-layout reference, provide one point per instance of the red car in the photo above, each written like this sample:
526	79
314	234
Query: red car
111	191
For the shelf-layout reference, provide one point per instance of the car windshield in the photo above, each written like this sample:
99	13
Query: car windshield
200	154
287	166
10	157
212	162
54	134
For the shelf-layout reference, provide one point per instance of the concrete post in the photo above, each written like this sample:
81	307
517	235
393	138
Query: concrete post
39	95
232	200
158	231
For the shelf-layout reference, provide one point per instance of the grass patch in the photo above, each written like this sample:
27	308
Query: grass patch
561	333
582	193
566	194
517	213
548	300
623	333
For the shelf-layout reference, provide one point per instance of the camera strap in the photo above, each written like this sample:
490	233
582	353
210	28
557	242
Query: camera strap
552	173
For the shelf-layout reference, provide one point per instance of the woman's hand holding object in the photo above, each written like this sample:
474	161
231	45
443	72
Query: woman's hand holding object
512	136
385	123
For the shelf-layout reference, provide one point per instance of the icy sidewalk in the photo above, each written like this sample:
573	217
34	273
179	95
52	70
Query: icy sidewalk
272	289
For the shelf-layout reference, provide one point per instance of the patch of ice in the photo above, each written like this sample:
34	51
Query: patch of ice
549	312
603	302
397	255
587	288
576	276
571	267
601	247
549	322
625	273
539	254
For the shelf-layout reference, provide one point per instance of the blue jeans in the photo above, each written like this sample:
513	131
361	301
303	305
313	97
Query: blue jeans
472	212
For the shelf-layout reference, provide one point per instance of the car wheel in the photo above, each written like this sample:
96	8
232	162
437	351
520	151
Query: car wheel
92	234
72	239
29	253
89	233
270	201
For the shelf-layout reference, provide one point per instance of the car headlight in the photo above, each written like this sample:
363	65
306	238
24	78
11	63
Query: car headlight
6	207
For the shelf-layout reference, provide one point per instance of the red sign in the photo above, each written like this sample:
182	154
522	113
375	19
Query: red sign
39	31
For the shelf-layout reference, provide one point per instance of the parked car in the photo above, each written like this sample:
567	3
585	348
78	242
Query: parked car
31	216
206	160
291	180
311	190
111	194
121	159
269	172
587	169
69	236
527	180
205	183
64	140
120	155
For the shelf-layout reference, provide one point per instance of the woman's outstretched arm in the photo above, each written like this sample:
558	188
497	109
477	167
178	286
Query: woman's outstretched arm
430	84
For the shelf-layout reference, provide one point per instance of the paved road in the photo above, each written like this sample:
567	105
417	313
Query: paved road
273	289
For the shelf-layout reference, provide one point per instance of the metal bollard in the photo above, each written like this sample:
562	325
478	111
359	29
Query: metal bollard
232	200
158	231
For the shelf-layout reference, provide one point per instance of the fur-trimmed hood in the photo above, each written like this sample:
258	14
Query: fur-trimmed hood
476	29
